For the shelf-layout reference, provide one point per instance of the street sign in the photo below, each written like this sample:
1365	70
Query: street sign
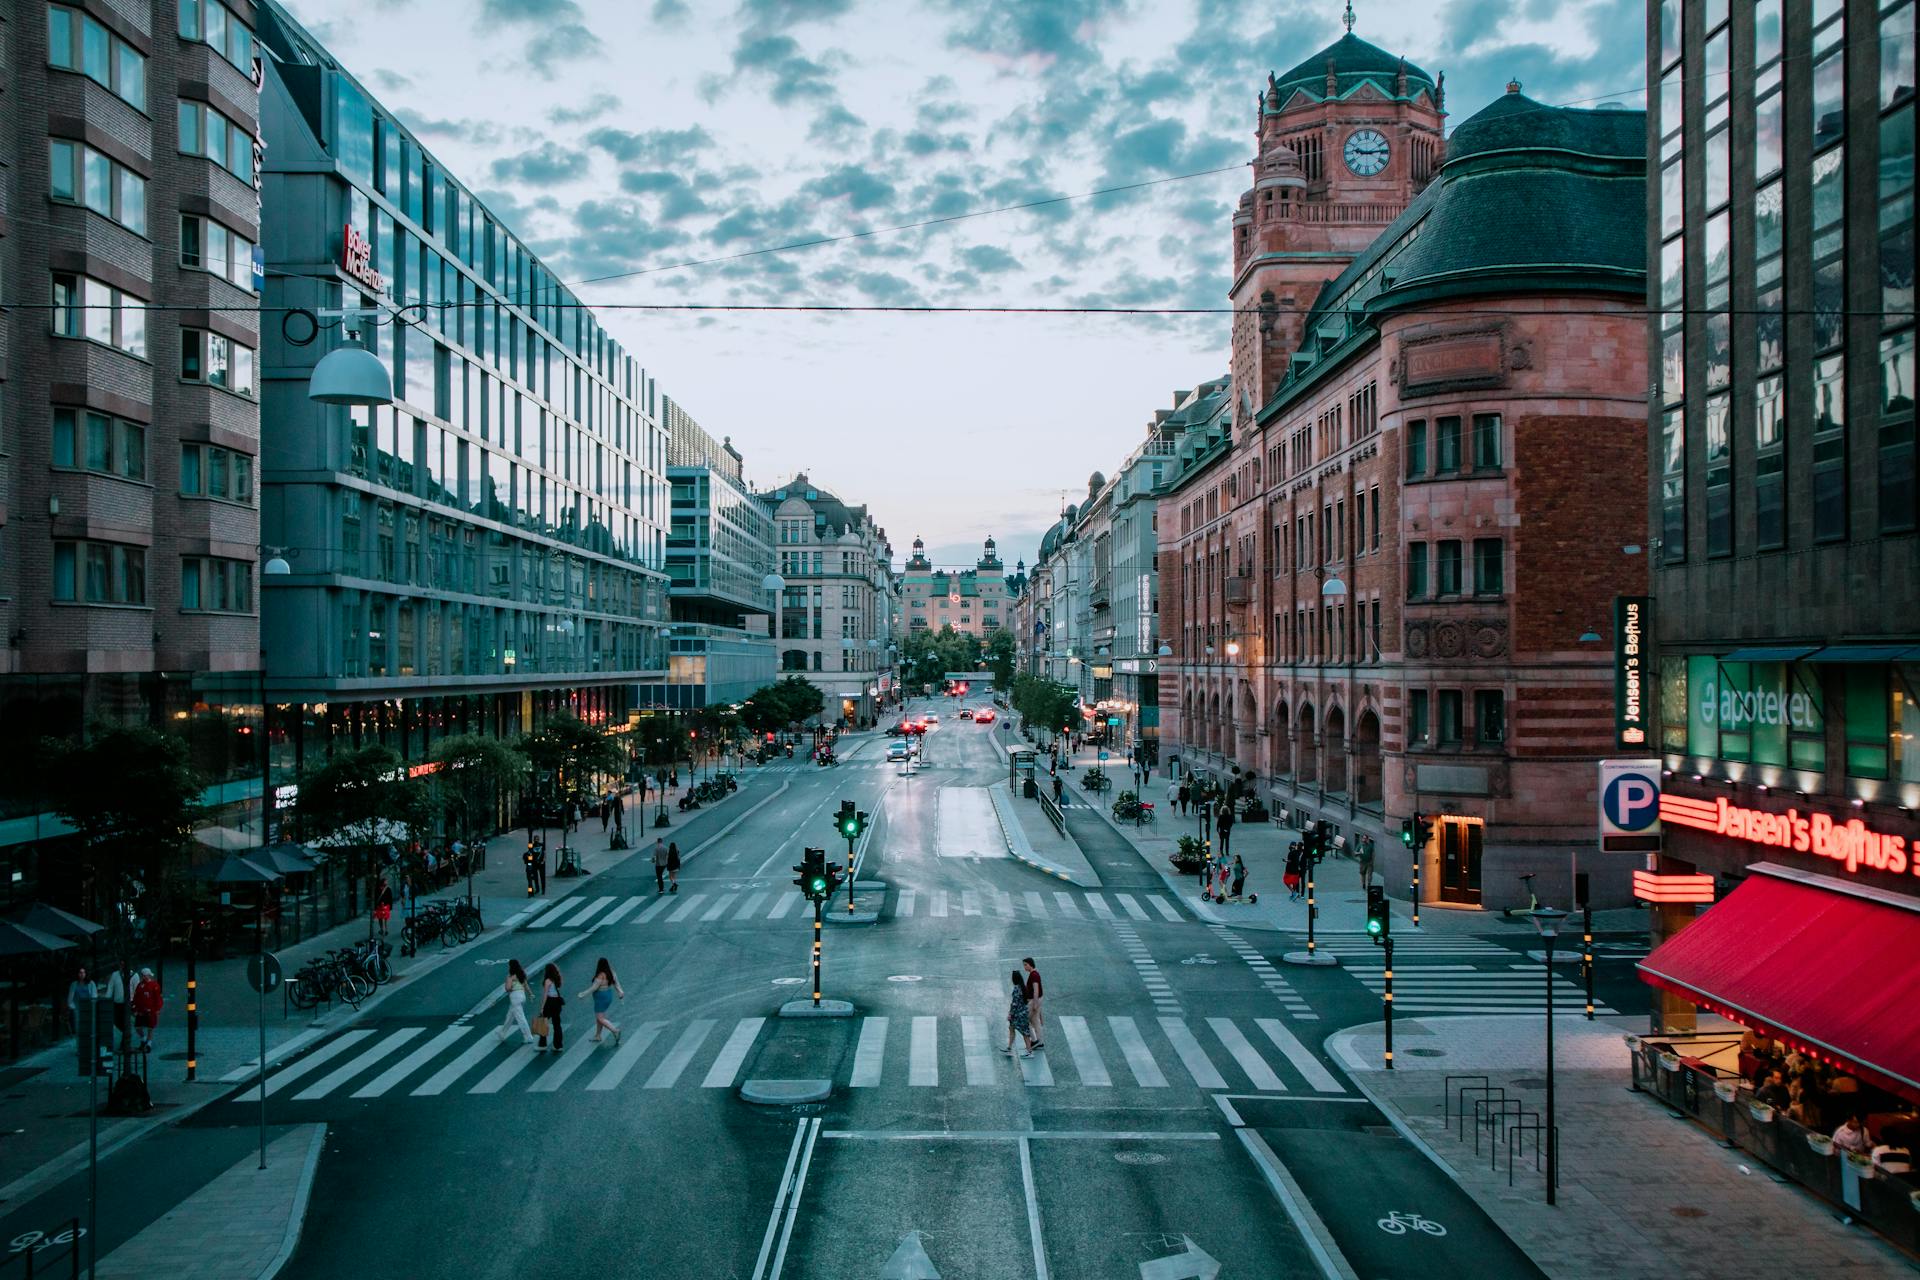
263	972
1113	722
1629	793
1103	755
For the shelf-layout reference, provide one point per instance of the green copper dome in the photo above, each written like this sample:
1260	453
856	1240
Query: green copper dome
1354	62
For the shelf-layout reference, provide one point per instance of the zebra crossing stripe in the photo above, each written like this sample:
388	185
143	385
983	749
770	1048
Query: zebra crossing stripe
783	903
660	903
923	1061
1002	903
593	909
969	902
750	907
554	913
973	1043
1131	907
1068	907
680	1055
939	911
327	1084
496	1079
556	1075
734	1052
1300	1056
1192	1056
440	1080
1166	909
1086	1058
411	1063
1146	1072
319	1057
1035	1072
626	1055
1100	907
1036	906
1250	1062
721	905
687	908
614	916
903	905
867	1055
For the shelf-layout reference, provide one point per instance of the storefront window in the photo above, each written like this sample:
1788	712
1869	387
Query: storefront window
1673	704
1903	715
1867	722
1761	712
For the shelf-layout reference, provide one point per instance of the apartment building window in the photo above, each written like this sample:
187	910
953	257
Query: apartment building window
212	23
209	584
1672	292
1486	442
1489	717
1376	631
1898	493
206	245
1416	449
208	471
216	360
1828	180
99	573
80	175
206	132
1416	570
1898	489
1451	726
1447	567
1417	722
87	441
1446	446
79	42
1719	411
1489	566
87	308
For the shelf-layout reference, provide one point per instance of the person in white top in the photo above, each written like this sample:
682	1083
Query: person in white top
1852	1136
516	1019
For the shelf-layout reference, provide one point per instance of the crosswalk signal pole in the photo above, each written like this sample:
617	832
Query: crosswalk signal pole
1586	936
818	914
1380	928
1386	996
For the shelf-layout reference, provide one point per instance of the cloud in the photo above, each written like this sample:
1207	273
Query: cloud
481	133
568	42
678	199
836	128
795	76
390	80
1157	148
671	13
655	148
861	189
593	108
561	30
613	236
542	12
989	259
1054	35
544	165
779	15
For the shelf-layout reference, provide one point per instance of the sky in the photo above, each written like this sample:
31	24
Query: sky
622	139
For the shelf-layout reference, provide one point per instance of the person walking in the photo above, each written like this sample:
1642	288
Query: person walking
1059	788
1225	824
1239	876
1220	880
382	903
516	1019
77	990
1173	795
551	1002
659	864
1366	865
673	867
603	989
606	811
146	1008
1034	993
119	991
1186	797
1295	870
1017	1018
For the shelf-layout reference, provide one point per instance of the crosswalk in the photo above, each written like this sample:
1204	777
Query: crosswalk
1292	1001
918	1052
584	911
1459	975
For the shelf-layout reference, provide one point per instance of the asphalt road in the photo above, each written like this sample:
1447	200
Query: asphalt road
1182	1108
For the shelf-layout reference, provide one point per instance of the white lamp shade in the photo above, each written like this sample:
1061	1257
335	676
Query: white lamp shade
351	375
1165	651
1333	587
276	567
773	582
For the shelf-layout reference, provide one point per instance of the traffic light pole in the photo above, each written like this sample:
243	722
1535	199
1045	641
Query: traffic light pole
1386	994
818	914
851	841
1311	858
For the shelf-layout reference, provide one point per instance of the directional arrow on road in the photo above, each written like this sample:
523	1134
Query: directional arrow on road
1192	1263
910	1261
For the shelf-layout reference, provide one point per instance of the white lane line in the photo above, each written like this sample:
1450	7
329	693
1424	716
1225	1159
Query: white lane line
559	909
869	1054
939	911
570	1061
1300	1056
799	1184
440	1080
751	907
1244	1053
721	905
1036	906
783	903
1035	1071
496	1079
779	1199
1146	1072
332	1049
1100	907
1033	1211
970	902
1192	1056
1166	909
1068	907
593	909
687	908
903	905
1128	905
661	903
1332	1264
419	1058
680	1055
633	1044
618	913
923	1060
1086	1057
734	1052
334	1079
973	1043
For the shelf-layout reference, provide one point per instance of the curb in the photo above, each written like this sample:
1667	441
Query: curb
1340	1045
999	791
781	1093
302	1196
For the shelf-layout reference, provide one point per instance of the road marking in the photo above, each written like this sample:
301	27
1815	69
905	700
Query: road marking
1128	905
721	905
594	908
1035	1070
335	1079
1033	1211
782	904
979	1058
970	902
869	1053
1146	1072
554	913
793	1204
687	908
1166	909
570	1061
1100	907
923	1062
1192	1056
1068	907
903	905
411	1063
614	916
733	1053
439	1081
1036	906
1300	1056
680	1055
1015	1135
333	1048
779	1199
1086	1056
1243	1053
516	1062
939	911
1313	1231
750	906
624	1058
661	903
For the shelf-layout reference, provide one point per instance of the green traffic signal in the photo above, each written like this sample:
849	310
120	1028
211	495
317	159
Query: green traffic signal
1373	927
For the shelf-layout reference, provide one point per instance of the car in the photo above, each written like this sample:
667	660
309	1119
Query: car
898	751
929	720
966	713
983	717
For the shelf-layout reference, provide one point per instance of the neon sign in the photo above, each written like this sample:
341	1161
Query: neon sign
356	259
1630	669
1653	886
1853	843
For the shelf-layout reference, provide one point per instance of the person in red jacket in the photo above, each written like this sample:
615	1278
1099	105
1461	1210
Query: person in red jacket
146	1008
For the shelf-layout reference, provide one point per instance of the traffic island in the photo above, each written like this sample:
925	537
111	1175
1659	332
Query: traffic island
808	1009
785	1093
853	917
1317	959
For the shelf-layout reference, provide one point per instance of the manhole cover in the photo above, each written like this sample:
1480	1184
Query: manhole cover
788	982
1687	1211
1139	1157
904	977
1426	1053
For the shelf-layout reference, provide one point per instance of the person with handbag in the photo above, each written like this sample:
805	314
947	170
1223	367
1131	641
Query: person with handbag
516	1019
551	1002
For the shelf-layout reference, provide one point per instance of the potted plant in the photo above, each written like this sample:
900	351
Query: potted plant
1913	1198
1861	1162
1726	1090
1821	1144
1255	812
1761	1112
1633	1041
1669	1060
1188	855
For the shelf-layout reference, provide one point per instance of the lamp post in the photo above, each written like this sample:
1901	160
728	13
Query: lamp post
1548	920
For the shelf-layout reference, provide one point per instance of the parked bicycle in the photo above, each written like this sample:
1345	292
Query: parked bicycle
1131	808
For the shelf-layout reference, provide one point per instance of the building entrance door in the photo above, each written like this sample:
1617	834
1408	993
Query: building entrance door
1460	860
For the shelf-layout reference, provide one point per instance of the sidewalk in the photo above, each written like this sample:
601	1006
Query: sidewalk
1640	1192
1031	839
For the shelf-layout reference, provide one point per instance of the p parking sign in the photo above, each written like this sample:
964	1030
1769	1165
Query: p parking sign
1629	795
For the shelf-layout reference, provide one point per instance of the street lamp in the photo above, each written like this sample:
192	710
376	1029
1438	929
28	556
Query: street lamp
1548	920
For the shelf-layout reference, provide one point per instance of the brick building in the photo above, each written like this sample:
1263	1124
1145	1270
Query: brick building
1388	587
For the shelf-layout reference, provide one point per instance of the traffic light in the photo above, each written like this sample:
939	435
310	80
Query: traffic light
1406	832
847	821
814	878
1422	828
1376	910
862	816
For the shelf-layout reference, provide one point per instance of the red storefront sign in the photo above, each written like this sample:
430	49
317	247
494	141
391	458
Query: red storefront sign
1652	886
356	259
1851	844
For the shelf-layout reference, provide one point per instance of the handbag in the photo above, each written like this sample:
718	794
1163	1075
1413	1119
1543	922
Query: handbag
541	1026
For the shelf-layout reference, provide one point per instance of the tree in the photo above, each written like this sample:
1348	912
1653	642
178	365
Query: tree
475	770
1000	656
1044	703
360	800
782	704
928	655
571	752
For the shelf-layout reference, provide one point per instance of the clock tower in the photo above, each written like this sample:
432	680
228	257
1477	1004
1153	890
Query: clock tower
1345	141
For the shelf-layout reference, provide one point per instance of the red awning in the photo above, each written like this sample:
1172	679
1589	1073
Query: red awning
1821	963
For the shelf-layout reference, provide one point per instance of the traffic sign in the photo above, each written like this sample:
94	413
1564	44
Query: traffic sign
1113	722
263	972
1629	794
1103	755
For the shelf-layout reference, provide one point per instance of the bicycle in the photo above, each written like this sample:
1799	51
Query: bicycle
1398	1224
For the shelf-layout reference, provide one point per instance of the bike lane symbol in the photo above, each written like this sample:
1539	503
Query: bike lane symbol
1398	1224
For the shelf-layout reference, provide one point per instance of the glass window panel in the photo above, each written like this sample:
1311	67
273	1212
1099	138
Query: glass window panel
1670	103
1669	31
63	437
1769	412
190	469
133	201
1717	84
60	37
1719	352
1829	99
1719	168
1829	298
1768	122
1673	367
1673	272
133	451
1896	167
133	326
60	161
1715	247
1672	198
98	182
95	48
97	316
1769	220
130	75
99	442
216	24
1896	56
1766	31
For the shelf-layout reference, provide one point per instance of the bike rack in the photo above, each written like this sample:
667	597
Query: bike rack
1515	1142
1495	1123
1447	1103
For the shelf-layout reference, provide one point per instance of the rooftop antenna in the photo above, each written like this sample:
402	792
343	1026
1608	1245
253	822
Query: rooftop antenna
1349	17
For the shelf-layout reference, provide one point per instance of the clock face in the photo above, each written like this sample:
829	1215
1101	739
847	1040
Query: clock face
1366	152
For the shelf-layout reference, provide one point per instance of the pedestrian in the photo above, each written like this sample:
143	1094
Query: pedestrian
383	903
659	864
1239	876
551	1002
1186	797
1173	795
1220	880
606	812
1059	788
516	1019
1226	826
1017	1018
146	1008
603	989
119	990
1034	993
1366	865
673	867
77	990
540	865
1293	879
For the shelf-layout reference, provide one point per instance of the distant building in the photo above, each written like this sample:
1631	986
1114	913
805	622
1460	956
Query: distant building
972	601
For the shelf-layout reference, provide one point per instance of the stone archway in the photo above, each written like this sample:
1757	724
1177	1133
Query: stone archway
1213	722
1282	748
1305	757
1246	746
1333	735
1366	759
